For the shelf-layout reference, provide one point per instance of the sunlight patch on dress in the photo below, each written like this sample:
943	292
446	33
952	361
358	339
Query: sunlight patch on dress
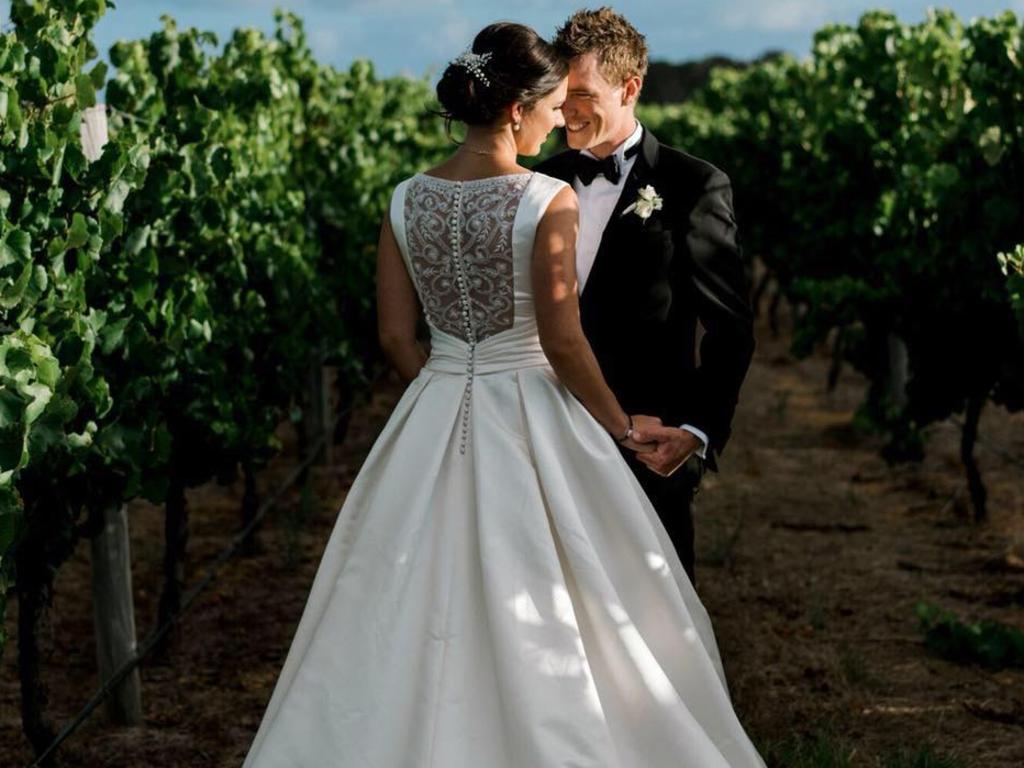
649	668
553	663
658	563
562	602
524	609
657	682
591	699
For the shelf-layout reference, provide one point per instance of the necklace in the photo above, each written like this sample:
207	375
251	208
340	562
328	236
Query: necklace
477	151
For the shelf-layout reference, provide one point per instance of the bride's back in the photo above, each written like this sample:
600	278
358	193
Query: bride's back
467	246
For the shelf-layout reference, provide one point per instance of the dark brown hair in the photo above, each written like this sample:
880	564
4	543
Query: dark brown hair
523	67
621	49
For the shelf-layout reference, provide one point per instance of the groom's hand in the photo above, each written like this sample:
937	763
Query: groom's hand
674	447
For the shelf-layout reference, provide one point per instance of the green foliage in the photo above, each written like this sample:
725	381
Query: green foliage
364	136
55	220
221	271
876	179
161	303
987	642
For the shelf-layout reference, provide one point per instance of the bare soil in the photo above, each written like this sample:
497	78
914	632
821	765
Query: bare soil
811	555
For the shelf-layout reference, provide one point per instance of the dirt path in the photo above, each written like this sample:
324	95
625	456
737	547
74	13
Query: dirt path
815	552
811	556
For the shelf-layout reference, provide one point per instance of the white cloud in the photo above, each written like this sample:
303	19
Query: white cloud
457	32
420	35
775	15
326	41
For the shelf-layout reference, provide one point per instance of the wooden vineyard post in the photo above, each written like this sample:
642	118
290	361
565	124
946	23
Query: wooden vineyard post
113	603
899	370
114	614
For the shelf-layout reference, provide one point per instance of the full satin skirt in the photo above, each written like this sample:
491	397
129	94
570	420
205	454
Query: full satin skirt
519	605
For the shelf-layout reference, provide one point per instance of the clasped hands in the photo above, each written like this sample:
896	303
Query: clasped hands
663	449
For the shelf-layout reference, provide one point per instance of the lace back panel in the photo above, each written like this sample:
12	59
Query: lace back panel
460	247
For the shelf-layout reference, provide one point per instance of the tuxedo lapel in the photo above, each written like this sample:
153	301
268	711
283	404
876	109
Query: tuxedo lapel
619	227
639	175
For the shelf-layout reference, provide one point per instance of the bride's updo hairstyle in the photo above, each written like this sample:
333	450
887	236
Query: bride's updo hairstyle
522	67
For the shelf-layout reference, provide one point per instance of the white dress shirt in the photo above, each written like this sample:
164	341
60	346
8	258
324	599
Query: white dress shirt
597	201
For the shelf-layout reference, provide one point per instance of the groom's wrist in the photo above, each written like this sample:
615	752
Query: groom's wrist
702	451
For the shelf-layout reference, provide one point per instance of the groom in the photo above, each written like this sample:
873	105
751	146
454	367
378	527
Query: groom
657	249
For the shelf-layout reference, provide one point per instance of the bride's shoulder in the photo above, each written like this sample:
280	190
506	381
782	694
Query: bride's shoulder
553	196
554	183
398	190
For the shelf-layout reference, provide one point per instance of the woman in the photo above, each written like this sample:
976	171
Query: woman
498	591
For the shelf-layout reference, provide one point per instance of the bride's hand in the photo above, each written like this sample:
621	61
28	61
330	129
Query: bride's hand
633	445
640	423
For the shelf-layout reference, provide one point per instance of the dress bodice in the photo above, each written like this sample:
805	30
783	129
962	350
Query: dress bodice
467	246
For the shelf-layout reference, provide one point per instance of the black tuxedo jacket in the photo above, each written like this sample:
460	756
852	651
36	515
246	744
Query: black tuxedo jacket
652	279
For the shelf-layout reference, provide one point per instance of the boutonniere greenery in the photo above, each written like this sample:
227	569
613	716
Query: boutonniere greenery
647	202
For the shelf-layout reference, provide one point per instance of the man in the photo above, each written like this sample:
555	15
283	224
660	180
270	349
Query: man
657	249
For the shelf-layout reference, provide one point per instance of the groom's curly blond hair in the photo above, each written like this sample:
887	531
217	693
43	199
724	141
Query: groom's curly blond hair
621	49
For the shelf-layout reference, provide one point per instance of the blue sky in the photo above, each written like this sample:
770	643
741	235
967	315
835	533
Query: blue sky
417	37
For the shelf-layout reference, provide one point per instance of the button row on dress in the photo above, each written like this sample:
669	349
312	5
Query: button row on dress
467	318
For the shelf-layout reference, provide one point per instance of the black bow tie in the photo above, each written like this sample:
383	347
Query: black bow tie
587	167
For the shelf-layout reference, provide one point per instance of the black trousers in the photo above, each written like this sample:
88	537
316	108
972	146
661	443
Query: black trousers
672	498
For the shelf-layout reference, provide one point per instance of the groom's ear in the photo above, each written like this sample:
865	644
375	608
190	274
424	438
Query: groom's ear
631	90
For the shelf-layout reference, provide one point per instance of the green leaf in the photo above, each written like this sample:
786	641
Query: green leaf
14	116
12	407
78	235
40	394
15	247
48	372
98	75
12	294
112	335
991	145
85	93
118	193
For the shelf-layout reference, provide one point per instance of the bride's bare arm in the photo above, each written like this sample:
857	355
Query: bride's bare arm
397	308
556	300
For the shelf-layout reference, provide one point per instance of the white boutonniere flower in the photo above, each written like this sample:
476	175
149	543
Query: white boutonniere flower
647	202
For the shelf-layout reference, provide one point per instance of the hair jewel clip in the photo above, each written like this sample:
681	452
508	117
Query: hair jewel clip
474	63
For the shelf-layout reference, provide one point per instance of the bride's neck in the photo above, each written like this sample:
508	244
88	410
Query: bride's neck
486	147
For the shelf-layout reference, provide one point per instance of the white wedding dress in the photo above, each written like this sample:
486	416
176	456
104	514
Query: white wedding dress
497	591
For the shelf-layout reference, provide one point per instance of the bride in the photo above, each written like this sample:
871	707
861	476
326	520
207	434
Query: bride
498	591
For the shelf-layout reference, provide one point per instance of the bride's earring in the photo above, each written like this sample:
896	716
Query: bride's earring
515	126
